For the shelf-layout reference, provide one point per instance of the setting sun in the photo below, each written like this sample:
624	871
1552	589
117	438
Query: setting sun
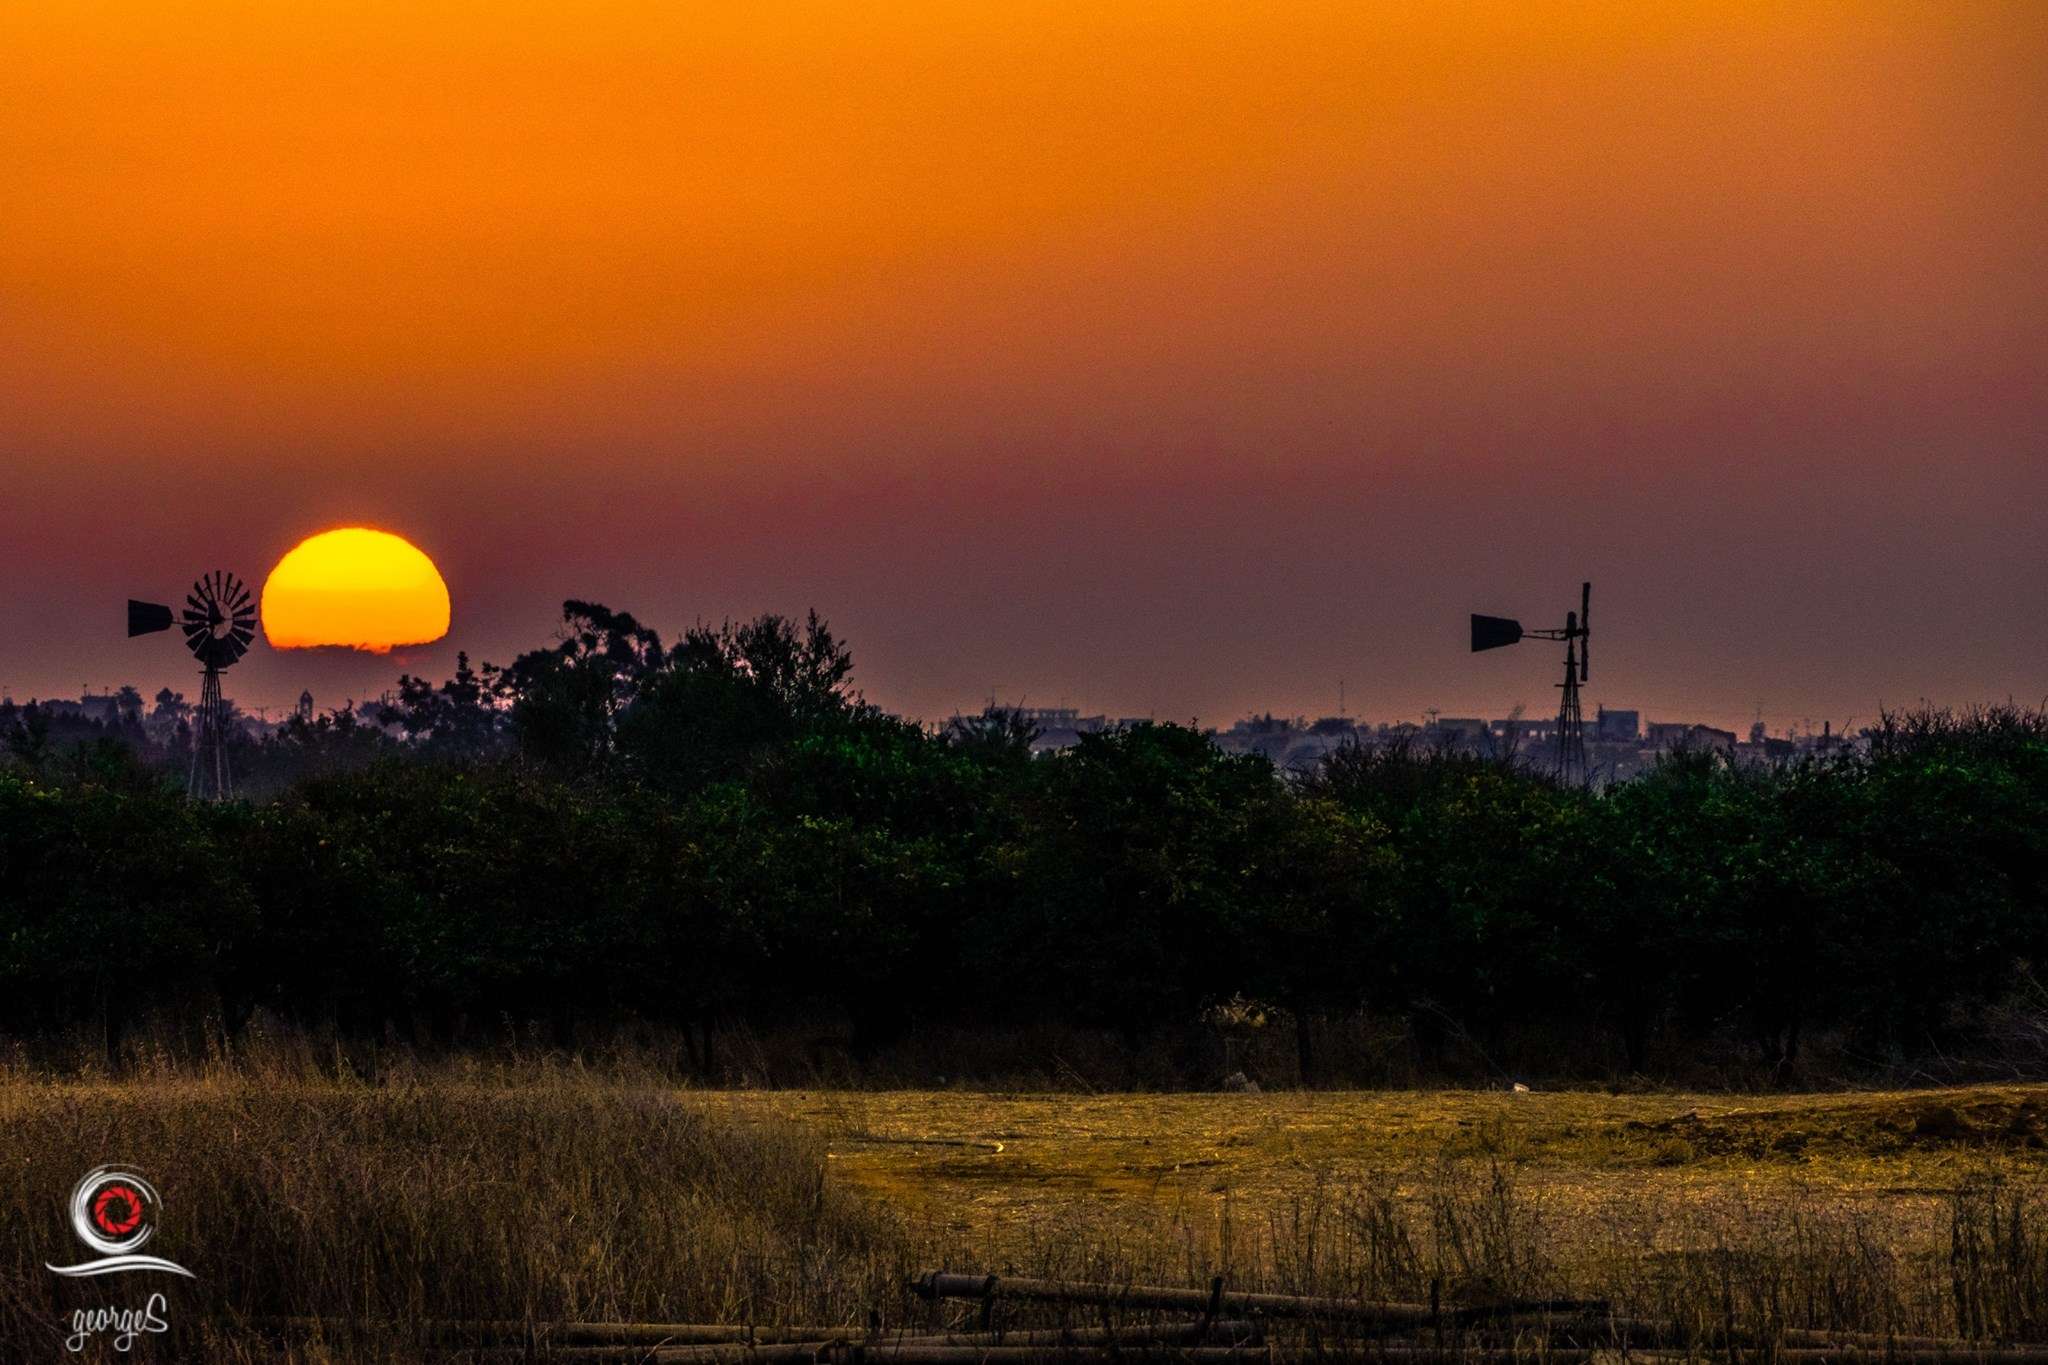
357	588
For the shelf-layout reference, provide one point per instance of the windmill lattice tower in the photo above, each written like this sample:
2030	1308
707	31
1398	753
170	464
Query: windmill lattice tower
1491	632
219	621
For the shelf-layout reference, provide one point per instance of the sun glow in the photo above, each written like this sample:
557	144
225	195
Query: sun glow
357	588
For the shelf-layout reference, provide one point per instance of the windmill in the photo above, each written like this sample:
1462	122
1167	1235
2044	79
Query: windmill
1492	632
219	621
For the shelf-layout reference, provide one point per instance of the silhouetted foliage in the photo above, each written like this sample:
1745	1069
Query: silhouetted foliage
724	699
458	719
722	833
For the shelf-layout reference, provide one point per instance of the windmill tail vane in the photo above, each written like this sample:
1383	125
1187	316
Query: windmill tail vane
1495	632
146	618
219	624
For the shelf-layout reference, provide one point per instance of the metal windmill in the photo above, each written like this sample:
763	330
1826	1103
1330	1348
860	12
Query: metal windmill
219	621
1491	632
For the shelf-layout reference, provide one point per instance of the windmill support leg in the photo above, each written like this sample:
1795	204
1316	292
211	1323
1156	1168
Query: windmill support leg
210	779
1571	725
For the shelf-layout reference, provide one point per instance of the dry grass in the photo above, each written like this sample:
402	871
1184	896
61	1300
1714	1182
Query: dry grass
989	1164
543	1194
1911	1213
549	1192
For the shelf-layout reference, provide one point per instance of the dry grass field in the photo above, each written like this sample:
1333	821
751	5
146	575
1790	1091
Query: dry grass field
545	1192
532	1193
1910	1212
984	1165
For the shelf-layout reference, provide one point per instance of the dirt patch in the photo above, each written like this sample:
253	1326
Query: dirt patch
1886	1127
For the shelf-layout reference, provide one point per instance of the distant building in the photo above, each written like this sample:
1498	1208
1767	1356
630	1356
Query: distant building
1620	745
1522	730
1766	749
1617	727
1044	717
1290	745
1666	735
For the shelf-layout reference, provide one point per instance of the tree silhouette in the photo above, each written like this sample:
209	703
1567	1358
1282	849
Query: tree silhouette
458	719
562	700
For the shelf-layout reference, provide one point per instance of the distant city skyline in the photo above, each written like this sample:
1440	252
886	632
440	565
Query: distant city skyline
1778	725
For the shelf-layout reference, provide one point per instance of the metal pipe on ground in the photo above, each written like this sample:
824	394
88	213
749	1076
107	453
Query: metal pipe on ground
939	1284
1225	1333
1584	1321
1228	1332
908	1352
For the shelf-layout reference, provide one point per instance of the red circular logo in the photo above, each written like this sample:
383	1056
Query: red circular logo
117	1210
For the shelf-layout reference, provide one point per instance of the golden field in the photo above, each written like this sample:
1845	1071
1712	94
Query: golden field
975	1162
551	1191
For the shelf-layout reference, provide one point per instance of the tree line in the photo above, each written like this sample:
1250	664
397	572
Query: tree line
718	832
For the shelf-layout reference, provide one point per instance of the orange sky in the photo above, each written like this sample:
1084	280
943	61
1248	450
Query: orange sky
1174	358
